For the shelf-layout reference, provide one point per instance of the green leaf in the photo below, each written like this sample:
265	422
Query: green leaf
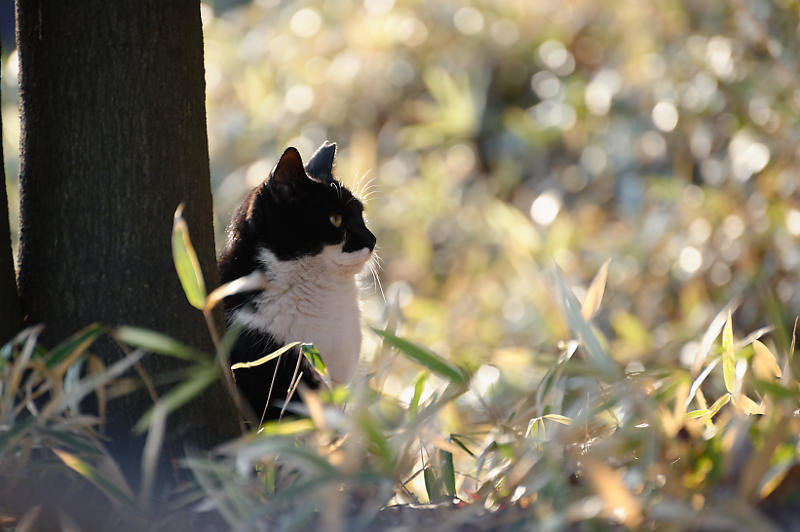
424	356
155	342
419	387
186	263
287	428
312	354
448	472
694	414
433	486
181	394
264	359
598	357
74	345
92	475
457	440
719	403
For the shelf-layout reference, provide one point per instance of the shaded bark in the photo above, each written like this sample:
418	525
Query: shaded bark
113	139
10	319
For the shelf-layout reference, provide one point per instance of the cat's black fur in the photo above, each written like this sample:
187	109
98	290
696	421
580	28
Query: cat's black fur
289	215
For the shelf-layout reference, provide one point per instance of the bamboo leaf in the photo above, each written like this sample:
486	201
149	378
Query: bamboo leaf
457	440
698	381
594	295
180	395
252	282
448	473
764	363
155	342
74	346
750	407
313	355
598	357
433	486
264	359
287	428
419	387
564	420
728	362
92	475
719	403
422	355
186	264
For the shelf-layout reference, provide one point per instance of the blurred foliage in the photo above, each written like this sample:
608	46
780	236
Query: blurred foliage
498	137
507	150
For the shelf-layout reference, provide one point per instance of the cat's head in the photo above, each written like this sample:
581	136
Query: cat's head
301	211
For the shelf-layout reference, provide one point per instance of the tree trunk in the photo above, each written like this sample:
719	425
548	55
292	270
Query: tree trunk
10	319
113	139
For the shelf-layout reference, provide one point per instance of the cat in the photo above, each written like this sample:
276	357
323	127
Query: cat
306	233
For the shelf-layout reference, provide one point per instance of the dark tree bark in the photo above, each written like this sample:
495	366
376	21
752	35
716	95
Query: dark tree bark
10	319
113	138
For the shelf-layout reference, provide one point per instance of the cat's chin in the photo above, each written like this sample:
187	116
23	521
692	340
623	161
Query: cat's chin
350	263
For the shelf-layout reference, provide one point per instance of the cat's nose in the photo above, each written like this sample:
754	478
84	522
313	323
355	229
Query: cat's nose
359	240
370	240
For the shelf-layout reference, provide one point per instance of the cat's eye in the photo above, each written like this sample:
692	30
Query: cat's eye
336	220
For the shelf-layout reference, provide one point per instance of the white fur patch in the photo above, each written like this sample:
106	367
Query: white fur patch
313	299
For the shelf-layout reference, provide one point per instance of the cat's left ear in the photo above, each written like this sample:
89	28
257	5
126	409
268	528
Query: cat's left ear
320	166
288	174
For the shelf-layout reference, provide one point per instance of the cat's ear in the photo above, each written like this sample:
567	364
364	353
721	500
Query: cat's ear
288	174
320	166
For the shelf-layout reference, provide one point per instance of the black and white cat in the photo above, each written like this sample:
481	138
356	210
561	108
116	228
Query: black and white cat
306	233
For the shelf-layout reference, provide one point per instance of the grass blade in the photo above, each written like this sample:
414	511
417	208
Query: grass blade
74	345
115	493
424	356
594	295
181	395
728	369
186	264
598	357
158	343
264	359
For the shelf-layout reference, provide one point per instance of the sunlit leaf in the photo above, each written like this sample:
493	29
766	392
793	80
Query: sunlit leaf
728	362
419	387
710	335
422	355
287	428
764	363
564	420
598	356
594	295
698	381
186	264
249	283
264	359
750	407
86	470
719	403
695	414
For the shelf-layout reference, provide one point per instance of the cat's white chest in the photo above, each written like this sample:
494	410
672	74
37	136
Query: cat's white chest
309	300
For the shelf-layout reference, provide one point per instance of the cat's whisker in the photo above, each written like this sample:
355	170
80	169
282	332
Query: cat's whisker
377	280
